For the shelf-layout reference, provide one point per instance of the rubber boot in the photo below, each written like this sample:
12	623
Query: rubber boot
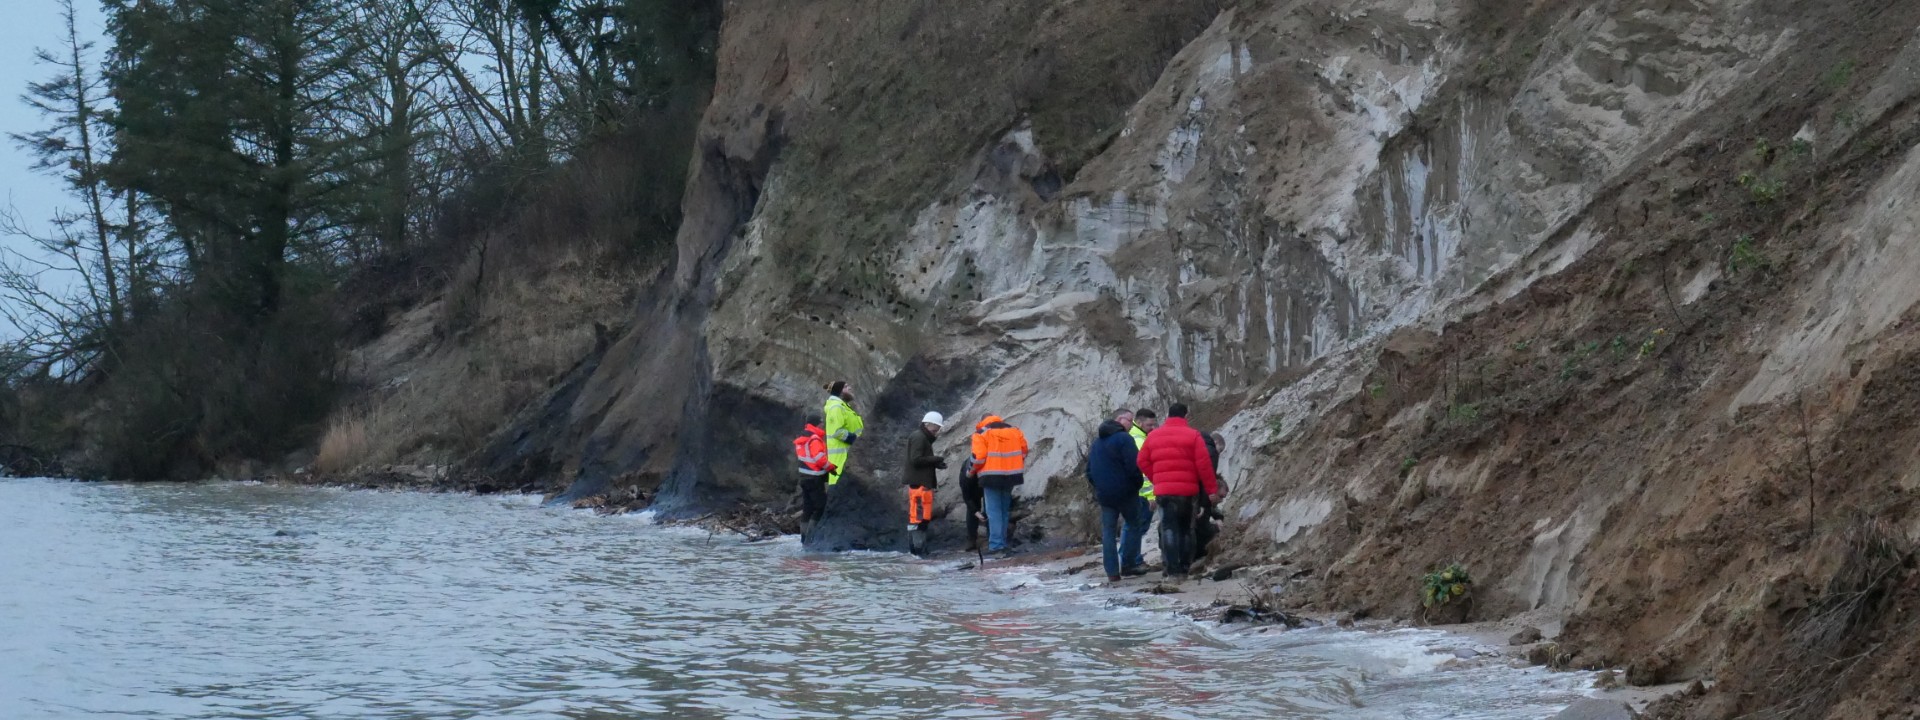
917	540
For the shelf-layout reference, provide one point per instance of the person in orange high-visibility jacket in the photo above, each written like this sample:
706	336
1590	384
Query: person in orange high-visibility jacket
810	449
1000	461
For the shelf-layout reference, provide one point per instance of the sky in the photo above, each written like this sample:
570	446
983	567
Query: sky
29	24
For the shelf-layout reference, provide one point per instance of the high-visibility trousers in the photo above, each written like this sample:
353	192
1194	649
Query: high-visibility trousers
837	452
919	505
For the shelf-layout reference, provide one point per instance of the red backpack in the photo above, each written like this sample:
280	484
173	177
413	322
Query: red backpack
811	450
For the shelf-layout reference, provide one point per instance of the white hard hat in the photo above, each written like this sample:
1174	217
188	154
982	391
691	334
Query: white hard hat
934	418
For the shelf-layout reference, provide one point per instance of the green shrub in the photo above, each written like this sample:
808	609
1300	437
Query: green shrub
1839	76
1444	586
1653	341
1847	118
1743	256
1762	190
198	387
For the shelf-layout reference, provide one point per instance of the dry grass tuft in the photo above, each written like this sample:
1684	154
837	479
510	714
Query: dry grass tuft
434	398
1847	624
344	447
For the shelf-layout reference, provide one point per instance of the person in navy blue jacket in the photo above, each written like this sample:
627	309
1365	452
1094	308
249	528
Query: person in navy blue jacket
1113	469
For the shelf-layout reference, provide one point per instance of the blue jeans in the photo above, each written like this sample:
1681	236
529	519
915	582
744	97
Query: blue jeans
1129	524
999	511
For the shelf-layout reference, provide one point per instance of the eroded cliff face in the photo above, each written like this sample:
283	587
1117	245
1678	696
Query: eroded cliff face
1596	298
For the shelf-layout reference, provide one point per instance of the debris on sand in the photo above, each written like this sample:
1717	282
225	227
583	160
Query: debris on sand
1262	607
755	523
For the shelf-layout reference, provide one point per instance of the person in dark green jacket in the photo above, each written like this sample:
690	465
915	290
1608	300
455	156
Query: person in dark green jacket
921	477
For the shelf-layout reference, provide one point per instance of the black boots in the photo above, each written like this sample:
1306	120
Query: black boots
917	540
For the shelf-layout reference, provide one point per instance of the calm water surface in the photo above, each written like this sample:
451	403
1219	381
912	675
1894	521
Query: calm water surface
181	601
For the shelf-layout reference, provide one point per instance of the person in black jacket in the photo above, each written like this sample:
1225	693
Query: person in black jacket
921	477
1207	526
976	498
1114	471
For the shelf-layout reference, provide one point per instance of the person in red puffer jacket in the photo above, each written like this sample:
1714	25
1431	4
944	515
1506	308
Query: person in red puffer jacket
1175	457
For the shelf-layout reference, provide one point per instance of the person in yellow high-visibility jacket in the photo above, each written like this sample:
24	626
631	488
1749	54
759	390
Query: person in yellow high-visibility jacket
1142	423
843	427
1138	424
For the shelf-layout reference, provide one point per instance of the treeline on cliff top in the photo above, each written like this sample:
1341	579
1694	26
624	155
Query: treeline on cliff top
245	173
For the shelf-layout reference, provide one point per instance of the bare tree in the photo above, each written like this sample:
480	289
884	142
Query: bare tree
72	148
398	73
52	298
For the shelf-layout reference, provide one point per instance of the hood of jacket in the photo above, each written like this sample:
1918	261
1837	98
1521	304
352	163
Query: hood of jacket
1110	427
988	420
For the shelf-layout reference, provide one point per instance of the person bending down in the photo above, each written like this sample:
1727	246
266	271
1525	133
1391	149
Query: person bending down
1175	458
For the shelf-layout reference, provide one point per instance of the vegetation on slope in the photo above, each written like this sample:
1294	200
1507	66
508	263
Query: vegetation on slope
252	174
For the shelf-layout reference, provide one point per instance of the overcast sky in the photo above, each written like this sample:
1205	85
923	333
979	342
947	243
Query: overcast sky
29	24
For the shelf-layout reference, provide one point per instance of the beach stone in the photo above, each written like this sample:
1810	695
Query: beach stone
1607	680
1527	636
1542	654
1649	671
1595	709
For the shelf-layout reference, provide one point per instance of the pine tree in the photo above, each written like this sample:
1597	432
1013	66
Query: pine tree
233	117
59	327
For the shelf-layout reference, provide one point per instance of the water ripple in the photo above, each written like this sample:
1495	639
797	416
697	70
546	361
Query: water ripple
249	601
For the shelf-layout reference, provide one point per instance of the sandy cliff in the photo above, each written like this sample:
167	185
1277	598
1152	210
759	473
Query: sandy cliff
1607	301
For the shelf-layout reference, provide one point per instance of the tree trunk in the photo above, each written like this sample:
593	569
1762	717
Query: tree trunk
83	118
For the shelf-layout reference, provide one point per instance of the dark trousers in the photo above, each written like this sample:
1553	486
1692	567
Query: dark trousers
976	500
1205	527
813	497
1121	528
1177	544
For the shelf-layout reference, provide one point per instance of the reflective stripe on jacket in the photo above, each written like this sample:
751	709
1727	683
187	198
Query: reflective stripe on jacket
842	424
999	449
811	450
1140	441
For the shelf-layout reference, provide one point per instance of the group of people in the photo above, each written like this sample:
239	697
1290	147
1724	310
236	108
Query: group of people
1137	463
1134	465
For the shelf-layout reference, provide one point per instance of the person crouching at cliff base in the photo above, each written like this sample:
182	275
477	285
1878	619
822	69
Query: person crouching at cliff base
1000	461
843	427
811	450
921	475
1175	459
975	500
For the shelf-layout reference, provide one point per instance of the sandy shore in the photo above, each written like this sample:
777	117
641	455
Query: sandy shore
1481	644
